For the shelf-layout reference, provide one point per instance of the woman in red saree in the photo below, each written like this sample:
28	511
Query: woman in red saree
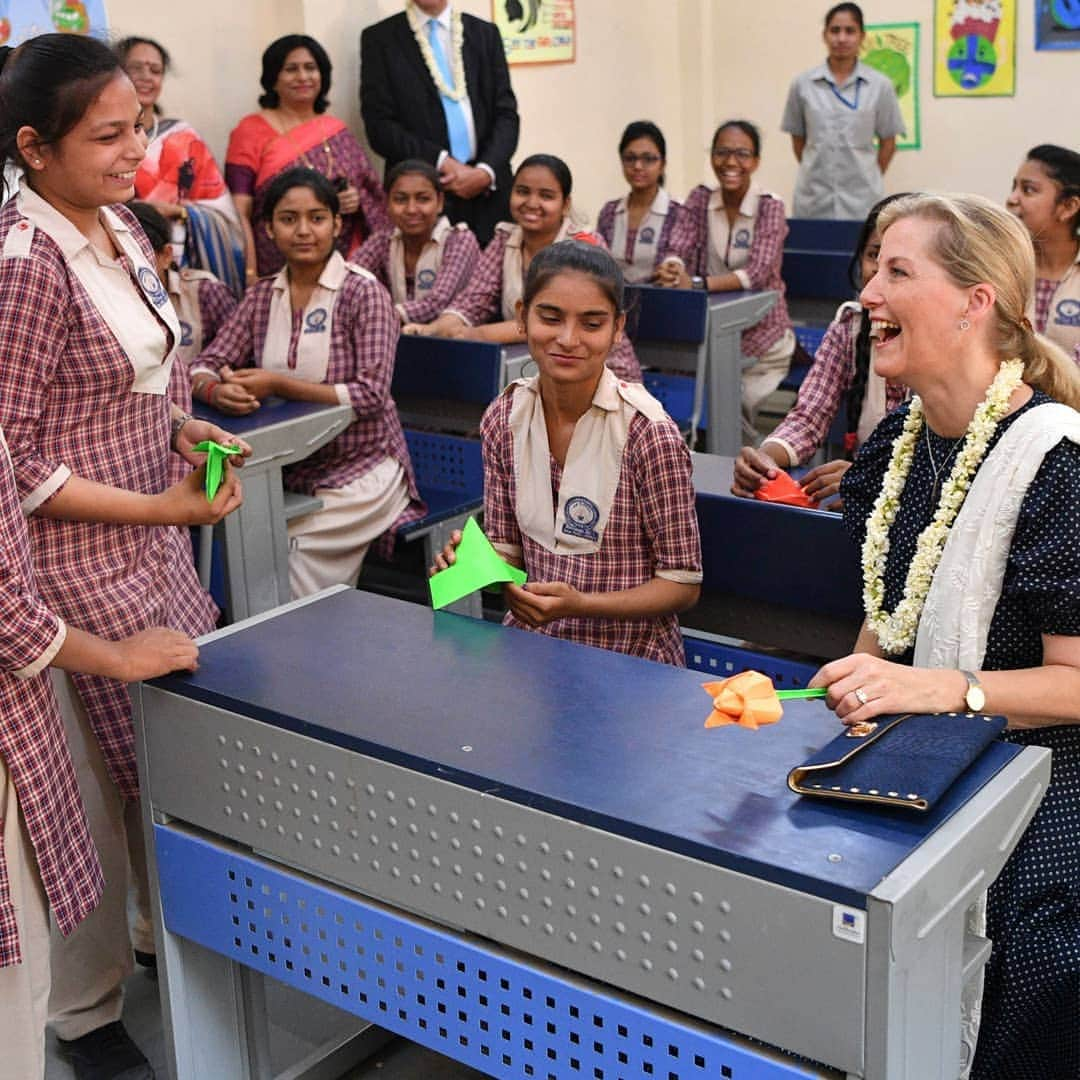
293	129
179	176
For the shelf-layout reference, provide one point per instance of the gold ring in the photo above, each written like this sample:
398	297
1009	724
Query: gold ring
860	695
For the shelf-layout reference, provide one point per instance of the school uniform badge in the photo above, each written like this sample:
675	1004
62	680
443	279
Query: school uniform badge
150	284
187	335
425	279
581	516
1067	313
647	235
315	323
742	239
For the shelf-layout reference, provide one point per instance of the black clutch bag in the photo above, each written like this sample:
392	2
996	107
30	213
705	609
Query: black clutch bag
908	760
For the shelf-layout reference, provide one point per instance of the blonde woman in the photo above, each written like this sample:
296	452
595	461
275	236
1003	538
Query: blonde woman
988	617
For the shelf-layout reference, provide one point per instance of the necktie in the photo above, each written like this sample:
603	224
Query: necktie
456	125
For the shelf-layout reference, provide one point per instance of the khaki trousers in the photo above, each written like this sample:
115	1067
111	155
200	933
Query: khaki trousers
90	966
24	988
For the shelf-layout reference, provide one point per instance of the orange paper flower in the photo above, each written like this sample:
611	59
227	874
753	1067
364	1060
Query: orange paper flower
747	699
783	489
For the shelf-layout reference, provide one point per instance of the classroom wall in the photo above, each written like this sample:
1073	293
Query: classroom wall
683	63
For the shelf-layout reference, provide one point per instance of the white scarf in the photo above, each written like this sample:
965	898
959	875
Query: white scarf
140	335
513	276
646	241
956	617
593	463
427	263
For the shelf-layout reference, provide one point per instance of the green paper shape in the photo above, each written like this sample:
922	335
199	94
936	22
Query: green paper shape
215	464
802	695
476	565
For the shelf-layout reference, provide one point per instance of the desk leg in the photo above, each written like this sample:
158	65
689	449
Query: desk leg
255	541
723	380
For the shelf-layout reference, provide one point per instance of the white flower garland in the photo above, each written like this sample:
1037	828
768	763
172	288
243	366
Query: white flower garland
896	632
457	63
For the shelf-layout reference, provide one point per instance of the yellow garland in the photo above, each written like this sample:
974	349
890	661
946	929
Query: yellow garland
896	632
417	22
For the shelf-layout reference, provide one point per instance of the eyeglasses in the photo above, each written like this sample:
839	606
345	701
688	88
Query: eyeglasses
138	68
722	153
640	159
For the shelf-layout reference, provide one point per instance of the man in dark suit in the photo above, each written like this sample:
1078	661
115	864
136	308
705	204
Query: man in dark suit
414	107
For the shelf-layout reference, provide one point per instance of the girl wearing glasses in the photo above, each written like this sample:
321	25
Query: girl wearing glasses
833	114
637	228
732	237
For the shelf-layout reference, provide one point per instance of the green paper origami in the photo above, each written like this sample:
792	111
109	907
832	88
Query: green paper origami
215	464
477	564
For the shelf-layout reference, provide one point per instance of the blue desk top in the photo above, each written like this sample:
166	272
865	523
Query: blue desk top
593	736
274	410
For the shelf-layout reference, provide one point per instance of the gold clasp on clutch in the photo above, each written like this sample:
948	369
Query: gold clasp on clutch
862	729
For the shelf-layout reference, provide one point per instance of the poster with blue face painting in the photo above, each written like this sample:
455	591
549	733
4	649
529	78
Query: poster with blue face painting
1057	24
22	19
974	48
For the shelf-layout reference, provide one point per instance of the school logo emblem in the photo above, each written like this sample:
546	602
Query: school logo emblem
425	279
1067	313
315	323
581	516
742	239
647	235
151	285
187	335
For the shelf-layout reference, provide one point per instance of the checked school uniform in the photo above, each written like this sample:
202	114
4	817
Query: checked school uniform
443	268
802	432
617	514
84	373
202	305
752	248
499	283
48	862
639	251
1057	309
345	336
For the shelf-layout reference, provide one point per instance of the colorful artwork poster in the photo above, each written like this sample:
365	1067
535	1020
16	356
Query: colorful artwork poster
893	49
1057	24
22	19
975	48
536	31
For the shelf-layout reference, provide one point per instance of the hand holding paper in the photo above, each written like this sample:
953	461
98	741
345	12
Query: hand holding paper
782	489
215	464
476	565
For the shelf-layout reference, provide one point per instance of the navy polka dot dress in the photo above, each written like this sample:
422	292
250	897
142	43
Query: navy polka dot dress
1031	1004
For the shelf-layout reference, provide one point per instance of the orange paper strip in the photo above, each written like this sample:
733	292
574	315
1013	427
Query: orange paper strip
747	699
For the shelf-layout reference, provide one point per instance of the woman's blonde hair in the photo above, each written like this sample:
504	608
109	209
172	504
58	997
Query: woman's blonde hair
980	242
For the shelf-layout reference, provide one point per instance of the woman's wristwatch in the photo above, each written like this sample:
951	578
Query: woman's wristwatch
975	697
699	282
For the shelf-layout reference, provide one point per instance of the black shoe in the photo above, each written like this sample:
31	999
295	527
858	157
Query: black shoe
146	960
107	1053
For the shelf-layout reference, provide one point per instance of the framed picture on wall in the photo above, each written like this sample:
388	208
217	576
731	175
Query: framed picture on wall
22	19
1057	24
975	48
893	49
536	31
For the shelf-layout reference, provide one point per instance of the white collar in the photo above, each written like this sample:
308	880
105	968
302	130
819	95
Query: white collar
442	227
443	18
660	204
332	276
748	206
822	71
47	218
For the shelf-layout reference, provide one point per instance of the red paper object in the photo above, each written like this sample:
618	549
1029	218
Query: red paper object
783	490
747	699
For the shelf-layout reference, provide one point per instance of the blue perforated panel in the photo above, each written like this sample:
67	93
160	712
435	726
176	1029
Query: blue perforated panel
676	394
720	661
446	462
461	997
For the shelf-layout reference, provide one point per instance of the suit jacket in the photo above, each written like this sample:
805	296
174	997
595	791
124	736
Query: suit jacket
404	117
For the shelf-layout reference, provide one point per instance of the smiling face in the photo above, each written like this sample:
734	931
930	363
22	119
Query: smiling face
414	205
94	164
571	326
145	67
915	307
303	228
1036	200
642	163
299	80
537	203
734	160
843	37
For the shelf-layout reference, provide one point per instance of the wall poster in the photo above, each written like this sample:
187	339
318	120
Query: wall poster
536	31
893	49
975	48
22	19
1057	24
